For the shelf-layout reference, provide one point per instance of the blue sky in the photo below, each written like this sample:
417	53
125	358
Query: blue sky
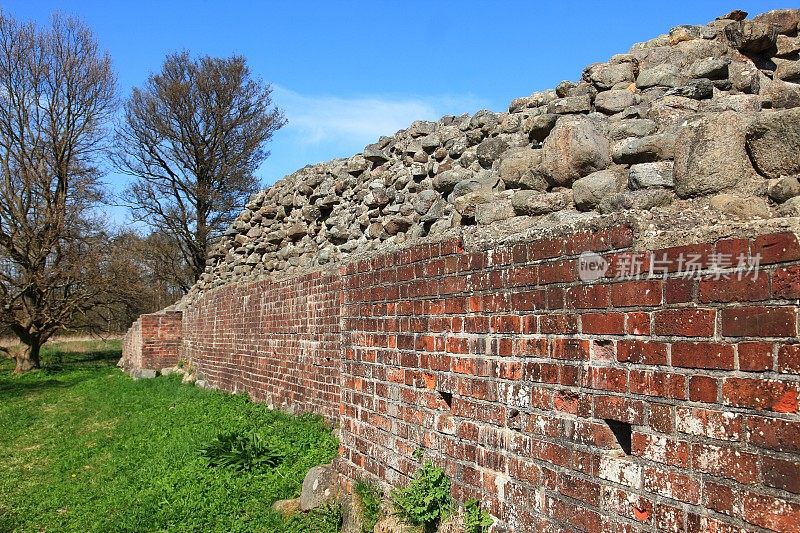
347	72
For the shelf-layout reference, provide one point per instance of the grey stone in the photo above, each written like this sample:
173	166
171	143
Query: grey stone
631	127
643	200
785	21
519	169
534	203
445	181
696	89
377	197
790	208
375	155
665	75
773	141
424	201
575	148
466	204
784	188
787	69
590	190
750	36
275	236
490	150
650	175
744	76
742	103
489	212
541	125
605	76
740	208
319	487
710	154
615	101
787	46
713	68
644	149
482	181
570	104
395	225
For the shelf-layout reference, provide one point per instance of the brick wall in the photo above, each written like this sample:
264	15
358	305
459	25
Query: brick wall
506	367
152	343
662	401
277	341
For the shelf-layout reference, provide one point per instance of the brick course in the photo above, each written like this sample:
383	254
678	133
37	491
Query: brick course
506	368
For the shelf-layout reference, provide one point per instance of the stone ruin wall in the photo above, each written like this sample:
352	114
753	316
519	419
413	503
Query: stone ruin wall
427	293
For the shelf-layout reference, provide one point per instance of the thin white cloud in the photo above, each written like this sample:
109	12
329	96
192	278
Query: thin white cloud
322	119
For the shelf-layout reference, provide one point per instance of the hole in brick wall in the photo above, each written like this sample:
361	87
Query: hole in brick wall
447	397
466	221
514	419
622	432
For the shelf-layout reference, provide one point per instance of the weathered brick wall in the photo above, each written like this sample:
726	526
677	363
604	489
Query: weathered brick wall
510	370
506	367
277	341
152	343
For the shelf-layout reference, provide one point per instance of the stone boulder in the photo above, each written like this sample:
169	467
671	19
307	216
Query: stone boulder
575	148
519	169
651	175
773	140
590	190
490	150
710	154
320	486
534	203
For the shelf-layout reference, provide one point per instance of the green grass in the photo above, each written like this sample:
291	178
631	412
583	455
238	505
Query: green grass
85	448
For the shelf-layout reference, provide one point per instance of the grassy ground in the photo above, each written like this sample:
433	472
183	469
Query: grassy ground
85	448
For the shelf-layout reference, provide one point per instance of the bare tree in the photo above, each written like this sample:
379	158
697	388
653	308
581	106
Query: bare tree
194	136
56	92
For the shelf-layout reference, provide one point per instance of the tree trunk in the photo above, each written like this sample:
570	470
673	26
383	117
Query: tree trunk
28	359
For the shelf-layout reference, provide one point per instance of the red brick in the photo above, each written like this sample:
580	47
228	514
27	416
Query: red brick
673	485
558	323
558	272
775	434
719	425
619	408
786	282
609	379
655	383
755	356
603	323
685	322
773	513
636	293
642	352
679	258
679	290
661	449
570	349
781	474
748	289
587	297
759	322
760	394
703	389
789	359
638	324
776	248
702	355
720	498
727	462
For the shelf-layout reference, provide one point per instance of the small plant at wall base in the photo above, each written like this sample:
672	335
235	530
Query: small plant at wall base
426	500
243	452
476	519
370	496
